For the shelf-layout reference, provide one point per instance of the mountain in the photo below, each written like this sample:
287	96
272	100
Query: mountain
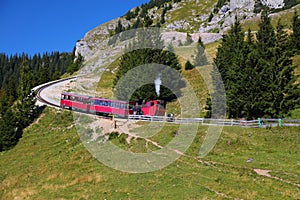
210	19
51	162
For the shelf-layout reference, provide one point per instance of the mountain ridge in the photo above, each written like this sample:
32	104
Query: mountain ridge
194	20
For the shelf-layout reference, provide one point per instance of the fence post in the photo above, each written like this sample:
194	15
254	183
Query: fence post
259	122
280	122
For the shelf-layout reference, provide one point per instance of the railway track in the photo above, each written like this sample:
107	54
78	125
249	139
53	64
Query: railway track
40	88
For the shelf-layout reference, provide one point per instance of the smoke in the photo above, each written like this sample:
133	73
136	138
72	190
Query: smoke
157	85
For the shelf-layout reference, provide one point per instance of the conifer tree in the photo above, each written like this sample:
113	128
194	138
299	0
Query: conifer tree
265	35
258	76
189	39
26	110
200	58
149	50
44	75
276	73
189	65
8	136
119	28
230	62
295	37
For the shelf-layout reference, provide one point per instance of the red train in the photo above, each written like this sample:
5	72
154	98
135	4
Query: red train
100	106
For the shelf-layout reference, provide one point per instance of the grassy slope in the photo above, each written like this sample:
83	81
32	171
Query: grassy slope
51	163
285	17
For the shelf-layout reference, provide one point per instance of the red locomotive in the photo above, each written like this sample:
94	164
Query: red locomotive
100	106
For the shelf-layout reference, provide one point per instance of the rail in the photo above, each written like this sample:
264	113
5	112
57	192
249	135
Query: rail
40	88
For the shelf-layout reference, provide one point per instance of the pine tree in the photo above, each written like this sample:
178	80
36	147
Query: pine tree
188	65
8	136
276	73
265	35
26	110
147	21
200	58
295	37
44	75
285	92
258	77
230	62
149	51
189	39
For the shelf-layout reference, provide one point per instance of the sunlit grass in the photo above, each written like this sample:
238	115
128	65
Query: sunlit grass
51	163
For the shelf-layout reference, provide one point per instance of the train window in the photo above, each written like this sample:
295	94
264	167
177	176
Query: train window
148	104
105	103
152	103
117	105
72	98
122	106
97	102
112	104
62	96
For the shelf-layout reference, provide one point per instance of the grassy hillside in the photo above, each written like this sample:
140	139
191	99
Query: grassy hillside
285	18
51	163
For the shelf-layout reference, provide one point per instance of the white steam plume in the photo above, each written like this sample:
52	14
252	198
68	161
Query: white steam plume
157	85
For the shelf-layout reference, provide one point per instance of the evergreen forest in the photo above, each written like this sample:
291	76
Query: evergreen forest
18	75
257	70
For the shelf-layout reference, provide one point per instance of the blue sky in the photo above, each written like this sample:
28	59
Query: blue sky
37	26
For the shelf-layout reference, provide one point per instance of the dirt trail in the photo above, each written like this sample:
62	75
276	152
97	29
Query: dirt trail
266	173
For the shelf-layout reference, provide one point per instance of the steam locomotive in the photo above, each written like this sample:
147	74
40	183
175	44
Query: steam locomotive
101	106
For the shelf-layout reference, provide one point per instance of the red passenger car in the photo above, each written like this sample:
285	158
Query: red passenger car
100	106
107	106
75	102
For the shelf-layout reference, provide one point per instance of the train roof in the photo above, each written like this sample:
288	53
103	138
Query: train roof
90	97
99	98
76	95
114	100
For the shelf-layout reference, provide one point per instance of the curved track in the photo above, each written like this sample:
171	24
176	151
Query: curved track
39	89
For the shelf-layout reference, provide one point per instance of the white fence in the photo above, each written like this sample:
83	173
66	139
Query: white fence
219	122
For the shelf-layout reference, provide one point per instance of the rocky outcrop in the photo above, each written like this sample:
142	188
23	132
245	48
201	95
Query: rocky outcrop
224	17
94	43
275	4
